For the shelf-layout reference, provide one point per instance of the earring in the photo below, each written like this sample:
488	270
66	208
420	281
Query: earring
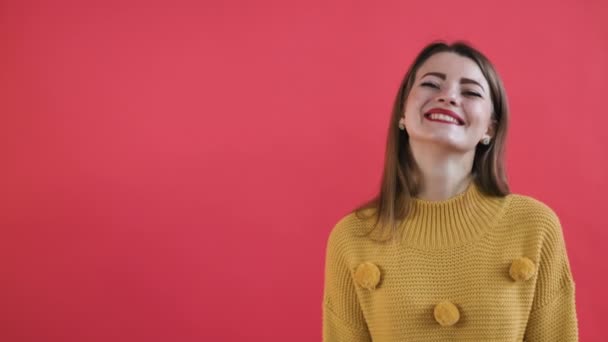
486	140
402	123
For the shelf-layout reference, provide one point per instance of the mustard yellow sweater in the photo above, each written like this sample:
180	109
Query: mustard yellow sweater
470	268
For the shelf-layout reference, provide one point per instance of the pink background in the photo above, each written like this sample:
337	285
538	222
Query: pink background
171	169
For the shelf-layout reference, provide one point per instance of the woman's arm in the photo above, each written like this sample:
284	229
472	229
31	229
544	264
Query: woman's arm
342	316
553	315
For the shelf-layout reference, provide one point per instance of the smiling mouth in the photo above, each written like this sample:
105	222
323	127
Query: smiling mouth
444	118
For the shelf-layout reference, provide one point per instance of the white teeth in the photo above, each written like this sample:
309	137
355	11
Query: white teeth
443	117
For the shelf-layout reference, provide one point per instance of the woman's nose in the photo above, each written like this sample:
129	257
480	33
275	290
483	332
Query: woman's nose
447	96
445	99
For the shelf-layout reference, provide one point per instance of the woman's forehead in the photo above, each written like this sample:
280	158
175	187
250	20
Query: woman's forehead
452	66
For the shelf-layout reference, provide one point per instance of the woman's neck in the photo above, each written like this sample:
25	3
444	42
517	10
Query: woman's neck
443	174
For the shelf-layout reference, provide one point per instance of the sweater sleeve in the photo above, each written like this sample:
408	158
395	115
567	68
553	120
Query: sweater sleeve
343	318
553	315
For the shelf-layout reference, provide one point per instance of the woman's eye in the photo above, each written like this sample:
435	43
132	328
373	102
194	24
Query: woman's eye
472	93
428	84
433	85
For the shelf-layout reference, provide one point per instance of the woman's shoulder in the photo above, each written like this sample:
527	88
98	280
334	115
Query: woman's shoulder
532	210
353	225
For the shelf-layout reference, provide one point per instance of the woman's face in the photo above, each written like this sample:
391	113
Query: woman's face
449	103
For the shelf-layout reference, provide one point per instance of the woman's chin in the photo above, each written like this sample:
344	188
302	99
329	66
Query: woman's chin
443	142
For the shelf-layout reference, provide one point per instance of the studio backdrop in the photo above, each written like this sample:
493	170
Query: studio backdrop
171	169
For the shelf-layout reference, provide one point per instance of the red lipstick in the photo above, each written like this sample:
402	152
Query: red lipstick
446	112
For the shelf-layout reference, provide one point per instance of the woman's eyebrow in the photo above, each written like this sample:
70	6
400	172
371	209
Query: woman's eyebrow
462	80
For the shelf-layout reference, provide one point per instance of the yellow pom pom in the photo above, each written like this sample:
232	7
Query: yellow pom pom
367	275
522	269
446	313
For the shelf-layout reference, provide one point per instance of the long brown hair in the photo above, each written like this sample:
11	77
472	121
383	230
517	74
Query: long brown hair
401	177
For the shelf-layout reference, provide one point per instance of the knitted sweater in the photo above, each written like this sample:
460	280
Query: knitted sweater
470	268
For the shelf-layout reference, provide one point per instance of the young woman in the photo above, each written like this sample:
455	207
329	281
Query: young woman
444	251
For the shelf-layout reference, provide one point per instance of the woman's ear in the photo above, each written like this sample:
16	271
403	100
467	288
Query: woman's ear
490	132
492	127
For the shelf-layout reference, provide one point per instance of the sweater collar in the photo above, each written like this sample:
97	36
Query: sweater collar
458	220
